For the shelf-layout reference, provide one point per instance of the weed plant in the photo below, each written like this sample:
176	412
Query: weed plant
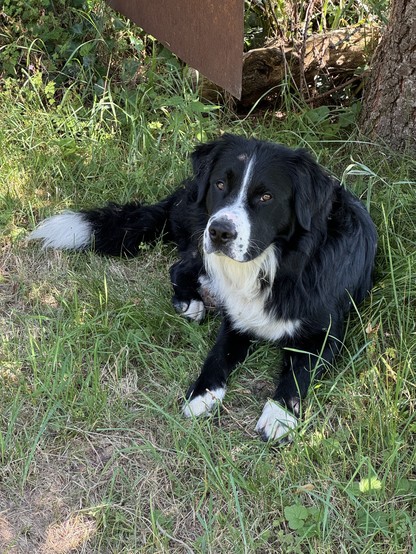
95	455
291	21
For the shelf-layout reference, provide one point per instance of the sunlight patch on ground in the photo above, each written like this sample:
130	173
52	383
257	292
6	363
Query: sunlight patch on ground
60	538
66	536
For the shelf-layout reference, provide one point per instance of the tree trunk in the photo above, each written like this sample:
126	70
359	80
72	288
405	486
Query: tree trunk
389	106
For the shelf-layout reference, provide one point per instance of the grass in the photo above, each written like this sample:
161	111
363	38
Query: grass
94	453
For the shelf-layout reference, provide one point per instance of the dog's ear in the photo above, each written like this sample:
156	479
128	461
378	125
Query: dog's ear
313	189
203	158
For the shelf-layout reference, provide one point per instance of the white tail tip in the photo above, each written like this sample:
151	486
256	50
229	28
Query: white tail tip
66	231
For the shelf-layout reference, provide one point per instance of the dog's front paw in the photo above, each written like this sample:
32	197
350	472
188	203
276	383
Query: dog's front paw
276	423
193	310
202	404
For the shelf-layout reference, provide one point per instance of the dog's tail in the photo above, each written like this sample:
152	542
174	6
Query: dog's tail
115	230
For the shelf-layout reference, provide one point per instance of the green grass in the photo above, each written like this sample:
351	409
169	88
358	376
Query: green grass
93	360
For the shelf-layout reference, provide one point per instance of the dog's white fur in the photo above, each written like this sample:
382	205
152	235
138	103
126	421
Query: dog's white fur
195	311
66	231
204	403
275	422
237	286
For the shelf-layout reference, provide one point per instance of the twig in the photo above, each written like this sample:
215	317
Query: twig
336	89
303	83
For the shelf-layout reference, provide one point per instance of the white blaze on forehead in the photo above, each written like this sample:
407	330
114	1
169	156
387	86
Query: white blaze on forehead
247	176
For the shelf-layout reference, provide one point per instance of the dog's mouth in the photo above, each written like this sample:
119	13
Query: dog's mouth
227	249
231	249
228	234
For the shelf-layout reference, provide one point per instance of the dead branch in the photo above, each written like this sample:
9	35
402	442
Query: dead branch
337	53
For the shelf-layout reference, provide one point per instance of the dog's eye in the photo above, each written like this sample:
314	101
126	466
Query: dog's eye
220	185
266	197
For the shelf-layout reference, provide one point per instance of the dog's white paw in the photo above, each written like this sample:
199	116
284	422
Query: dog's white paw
276	423
203	403
194	311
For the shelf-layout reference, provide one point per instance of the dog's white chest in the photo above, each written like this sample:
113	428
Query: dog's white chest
249	315
237	287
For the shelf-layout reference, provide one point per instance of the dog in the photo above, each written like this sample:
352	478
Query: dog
268	236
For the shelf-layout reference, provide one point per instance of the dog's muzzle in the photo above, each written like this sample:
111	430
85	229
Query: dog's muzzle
222	237
221	232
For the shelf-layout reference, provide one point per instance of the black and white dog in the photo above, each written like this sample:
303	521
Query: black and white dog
279	244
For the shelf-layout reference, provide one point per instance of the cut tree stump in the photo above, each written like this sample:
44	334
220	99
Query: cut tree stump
336	54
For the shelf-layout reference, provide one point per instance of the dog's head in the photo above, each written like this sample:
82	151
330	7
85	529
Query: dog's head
255	193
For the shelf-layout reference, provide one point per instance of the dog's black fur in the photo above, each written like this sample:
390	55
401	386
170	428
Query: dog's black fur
317	235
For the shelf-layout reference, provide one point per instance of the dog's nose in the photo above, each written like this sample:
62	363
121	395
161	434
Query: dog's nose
222	231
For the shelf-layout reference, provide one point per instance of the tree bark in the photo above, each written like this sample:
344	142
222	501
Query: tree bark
389	106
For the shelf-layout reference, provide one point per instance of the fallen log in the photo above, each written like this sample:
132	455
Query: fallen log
335	54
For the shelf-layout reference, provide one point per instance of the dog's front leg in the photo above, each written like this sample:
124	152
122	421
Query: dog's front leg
280	414
184	275
231	348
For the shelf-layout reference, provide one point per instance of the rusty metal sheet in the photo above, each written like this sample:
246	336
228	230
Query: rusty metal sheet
206	34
